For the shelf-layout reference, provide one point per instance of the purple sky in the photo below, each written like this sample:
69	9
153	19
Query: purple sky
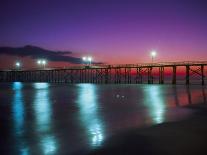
122	31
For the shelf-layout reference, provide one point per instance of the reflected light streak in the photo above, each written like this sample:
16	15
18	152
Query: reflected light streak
42	107
25	151
40	85
18	107
155	102
87	101
49	145
18	115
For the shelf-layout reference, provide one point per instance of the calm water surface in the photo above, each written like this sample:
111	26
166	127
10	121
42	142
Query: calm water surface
43	118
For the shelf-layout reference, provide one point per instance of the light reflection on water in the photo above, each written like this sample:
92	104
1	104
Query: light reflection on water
89	115
42	106
18	115
18	107
43	113
49	145
99	112
155	101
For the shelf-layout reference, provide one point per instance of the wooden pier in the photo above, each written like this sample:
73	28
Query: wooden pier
120	74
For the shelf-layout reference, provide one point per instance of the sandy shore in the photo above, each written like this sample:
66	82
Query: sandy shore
186	137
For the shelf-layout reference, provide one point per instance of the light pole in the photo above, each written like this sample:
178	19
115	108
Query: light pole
42	63
84	59
153	55
39	62
18	65
87	59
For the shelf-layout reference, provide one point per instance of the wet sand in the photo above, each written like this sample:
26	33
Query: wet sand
186	137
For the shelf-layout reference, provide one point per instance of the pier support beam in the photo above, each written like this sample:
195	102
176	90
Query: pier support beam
202	74
150	77
161	75
174	75
117	76
187	75
139	75
106	76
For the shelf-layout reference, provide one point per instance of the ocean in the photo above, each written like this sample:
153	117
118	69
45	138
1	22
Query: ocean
49	118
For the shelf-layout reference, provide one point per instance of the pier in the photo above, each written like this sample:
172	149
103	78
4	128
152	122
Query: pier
119	74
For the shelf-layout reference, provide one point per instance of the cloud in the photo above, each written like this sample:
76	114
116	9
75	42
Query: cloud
37	52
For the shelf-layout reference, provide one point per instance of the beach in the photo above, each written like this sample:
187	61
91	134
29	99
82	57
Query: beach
186	137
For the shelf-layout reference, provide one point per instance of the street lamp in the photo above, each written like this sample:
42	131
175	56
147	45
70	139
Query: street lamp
153	55
84	58
41	62
87	59
44	63
18	64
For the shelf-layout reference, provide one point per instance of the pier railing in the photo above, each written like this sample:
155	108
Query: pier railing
110	73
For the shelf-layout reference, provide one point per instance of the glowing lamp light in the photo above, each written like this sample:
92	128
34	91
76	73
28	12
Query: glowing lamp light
153	53
87	59
18	64
39	61
84	58
90	59
43	62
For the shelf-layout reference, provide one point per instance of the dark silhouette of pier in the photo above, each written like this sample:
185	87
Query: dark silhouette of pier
126	73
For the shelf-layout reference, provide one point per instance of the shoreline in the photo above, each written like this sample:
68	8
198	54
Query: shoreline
185	137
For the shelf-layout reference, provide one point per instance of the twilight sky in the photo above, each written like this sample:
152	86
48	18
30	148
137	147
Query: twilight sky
114	31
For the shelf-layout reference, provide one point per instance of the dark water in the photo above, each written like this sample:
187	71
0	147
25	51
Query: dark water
43	118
